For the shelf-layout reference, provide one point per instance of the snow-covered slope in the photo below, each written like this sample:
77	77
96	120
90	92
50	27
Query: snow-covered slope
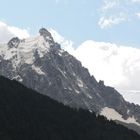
25	51
39	63
112	114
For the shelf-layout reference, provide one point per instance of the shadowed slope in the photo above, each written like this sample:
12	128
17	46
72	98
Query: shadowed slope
27	115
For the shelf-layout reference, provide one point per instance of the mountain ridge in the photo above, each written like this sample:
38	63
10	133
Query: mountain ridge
40	64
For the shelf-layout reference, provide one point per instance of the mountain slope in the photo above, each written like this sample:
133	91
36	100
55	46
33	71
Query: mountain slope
27	115
40	64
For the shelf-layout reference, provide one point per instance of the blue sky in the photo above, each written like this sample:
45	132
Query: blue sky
115	21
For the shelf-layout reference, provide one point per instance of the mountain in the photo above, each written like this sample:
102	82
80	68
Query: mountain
27	115
39	63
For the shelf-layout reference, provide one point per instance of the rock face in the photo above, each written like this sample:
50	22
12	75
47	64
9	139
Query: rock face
46	34
39	63
14	42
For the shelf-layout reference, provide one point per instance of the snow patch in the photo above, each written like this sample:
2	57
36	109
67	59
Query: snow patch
25	52
60	54
77	91
98	94
18	78
7	53
70	88
112	114
89	96
80	83
63	73
28	48
38	70
128	111
73	74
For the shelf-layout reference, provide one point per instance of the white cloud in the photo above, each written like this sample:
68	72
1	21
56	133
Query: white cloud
7	32
111	13
106	22
131	95
107	4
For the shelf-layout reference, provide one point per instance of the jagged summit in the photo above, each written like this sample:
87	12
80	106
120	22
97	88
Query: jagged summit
46	34
101	84
14	42
25	51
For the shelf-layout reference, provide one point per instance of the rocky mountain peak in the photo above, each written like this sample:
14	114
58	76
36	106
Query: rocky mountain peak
14	42
101	84
46	34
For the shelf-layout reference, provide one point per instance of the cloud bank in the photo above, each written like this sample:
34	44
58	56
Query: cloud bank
7	32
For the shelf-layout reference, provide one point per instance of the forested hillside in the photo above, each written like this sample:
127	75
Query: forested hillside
27	115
